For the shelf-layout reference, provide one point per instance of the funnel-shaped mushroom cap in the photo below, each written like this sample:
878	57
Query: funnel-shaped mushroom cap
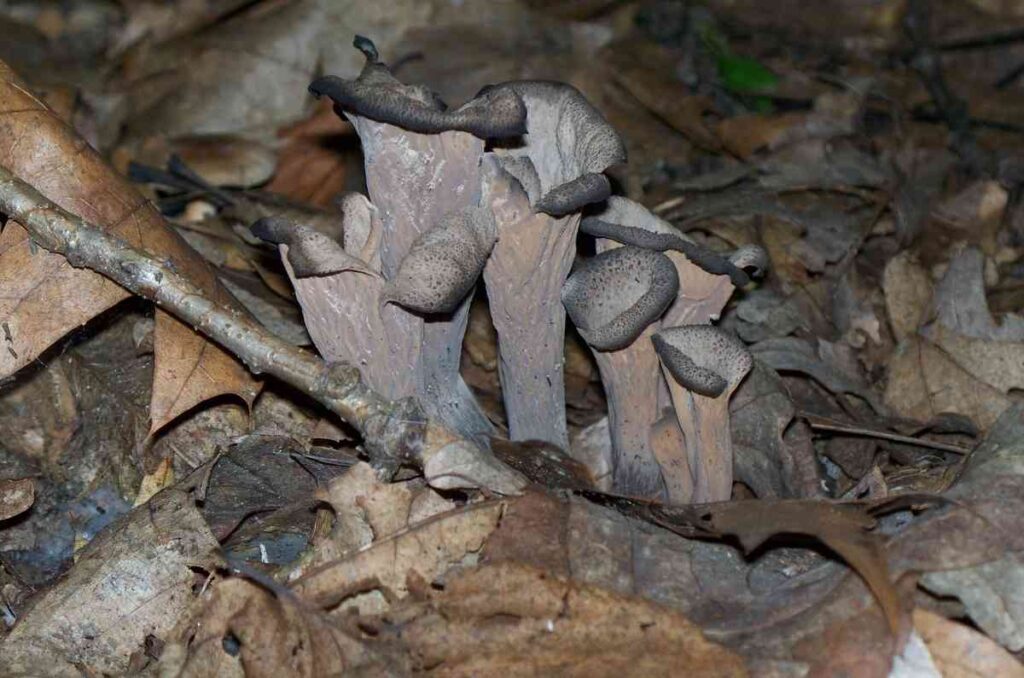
378	95
568	143
629	222
703	358
613	296
750	258
444	263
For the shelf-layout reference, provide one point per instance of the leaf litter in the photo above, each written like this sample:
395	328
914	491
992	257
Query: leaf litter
160	514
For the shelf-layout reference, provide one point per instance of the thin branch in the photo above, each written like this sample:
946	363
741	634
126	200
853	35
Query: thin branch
823	424
925	60
393	432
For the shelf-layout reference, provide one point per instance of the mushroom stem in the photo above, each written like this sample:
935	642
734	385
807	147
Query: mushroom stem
705	425
415	180
630	377
524	278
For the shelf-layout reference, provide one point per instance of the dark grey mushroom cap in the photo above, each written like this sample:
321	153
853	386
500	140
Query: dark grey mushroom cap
703	358
613	296
631	223
378	95
310	252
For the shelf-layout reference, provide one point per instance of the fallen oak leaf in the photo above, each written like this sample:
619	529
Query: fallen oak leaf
46	297
519	620
844	527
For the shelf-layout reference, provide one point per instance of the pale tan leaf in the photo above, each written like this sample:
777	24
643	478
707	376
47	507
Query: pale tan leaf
961	652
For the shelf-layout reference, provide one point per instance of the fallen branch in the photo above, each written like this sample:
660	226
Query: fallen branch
394	432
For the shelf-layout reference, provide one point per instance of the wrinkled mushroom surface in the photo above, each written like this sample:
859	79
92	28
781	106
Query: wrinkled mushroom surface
444	263
310	252
613	296
569	145
535	186
422	164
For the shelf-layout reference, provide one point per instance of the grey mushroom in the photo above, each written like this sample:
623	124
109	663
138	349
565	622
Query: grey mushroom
704	365
703	358
310	252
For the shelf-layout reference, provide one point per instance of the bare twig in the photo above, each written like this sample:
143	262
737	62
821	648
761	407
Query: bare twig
925	60
823	424
394	432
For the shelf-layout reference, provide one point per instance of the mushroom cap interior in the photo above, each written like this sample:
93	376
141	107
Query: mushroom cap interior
751	258
703	358
613	296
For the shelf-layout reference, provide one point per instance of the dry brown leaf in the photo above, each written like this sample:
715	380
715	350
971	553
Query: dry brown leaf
40	414
244	630
158	20
841	527
744	135
383	534
16	496
924	381
908	294
645	71
220	159
45	297
514	620
247	73
961	652
317	158
134	579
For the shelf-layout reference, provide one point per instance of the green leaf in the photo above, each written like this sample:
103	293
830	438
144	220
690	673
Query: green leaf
744	75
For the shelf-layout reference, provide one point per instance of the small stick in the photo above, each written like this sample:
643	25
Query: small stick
822	424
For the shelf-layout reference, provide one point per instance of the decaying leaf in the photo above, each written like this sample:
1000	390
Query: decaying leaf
520	621
134	579
45	297
247	630
908	295
987	579
16	496
963	362
383	533
313	166
961	652
248	73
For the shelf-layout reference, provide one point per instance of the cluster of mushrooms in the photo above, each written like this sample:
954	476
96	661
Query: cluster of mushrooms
499	187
